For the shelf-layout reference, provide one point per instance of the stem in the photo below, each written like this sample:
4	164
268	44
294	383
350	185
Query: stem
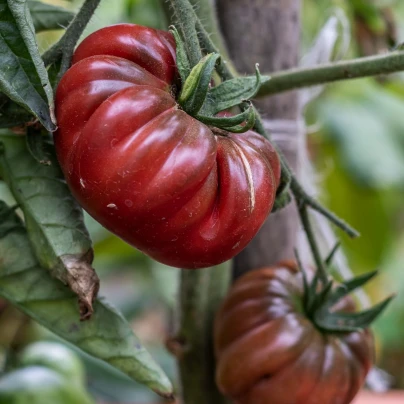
315	205
225	68
63	50
344	70
304	217
201	292
206	12
185	19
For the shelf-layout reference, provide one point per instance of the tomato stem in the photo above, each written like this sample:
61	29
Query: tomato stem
185	19
201	292
308	228
346	70
63	50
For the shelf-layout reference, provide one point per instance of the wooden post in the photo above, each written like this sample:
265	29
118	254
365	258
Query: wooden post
267	32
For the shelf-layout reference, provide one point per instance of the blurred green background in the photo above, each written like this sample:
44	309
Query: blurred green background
357	143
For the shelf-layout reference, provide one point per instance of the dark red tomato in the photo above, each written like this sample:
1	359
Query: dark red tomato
269	352
147	171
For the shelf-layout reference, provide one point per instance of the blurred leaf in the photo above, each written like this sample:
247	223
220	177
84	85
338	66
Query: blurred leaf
57	357
369	11
370	211
146	12
47	16
106	335
53	218
23	76
40	385
371	151
393	281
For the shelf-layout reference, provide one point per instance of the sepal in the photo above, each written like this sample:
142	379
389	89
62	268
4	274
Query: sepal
233	92
349	322
182	61
196	86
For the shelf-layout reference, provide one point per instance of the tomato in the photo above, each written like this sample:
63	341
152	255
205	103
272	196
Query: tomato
270	352
186	194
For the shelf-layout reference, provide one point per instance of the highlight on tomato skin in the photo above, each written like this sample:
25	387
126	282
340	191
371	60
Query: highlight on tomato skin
268	351
146	170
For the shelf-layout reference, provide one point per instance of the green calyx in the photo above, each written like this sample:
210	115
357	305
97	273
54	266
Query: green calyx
320	300
204	102
196	86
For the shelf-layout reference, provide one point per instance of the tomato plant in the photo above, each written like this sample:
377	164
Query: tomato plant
187	194
270	350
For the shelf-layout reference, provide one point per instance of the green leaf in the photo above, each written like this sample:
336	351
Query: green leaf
39	385
349	322
52	216
12	114
196	86
106	336
23	76
235	91
47	16
36	144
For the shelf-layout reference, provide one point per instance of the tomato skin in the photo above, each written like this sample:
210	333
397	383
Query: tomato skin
146	170
269	352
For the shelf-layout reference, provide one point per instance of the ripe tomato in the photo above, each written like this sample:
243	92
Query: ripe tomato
268	351
171	186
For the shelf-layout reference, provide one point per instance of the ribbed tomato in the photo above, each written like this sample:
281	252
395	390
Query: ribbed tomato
176	189
269	352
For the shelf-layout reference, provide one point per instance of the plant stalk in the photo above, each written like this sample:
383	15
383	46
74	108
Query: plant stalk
185	20
205	10
344	70
201	292
304	217
63	50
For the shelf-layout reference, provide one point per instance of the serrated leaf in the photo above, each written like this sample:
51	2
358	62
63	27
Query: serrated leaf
106	336
349	322
47	16
23	76
52	216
